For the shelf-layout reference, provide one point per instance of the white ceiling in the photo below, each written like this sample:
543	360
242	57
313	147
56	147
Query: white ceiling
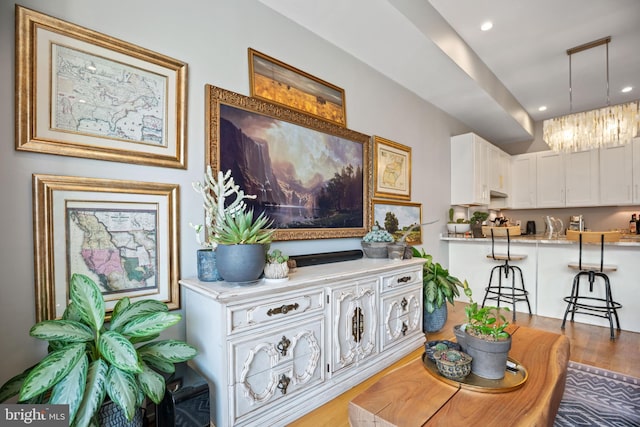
492	81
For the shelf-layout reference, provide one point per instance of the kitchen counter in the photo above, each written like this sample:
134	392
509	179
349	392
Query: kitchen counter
625	240
547	276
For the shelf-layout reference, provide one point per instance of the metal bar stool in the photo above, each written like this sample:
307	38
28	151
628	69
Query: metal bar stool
592	306
507	294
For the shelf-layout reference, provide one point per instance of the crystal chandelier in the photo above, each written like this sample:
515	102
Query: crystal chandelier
608	126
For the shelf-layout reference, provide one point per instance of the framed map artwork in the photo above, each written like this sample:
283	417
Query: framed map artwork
81	93
391	169
122	234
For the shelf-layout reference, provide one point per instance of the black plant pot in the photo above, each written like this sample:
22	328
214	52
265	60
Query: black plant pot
240	263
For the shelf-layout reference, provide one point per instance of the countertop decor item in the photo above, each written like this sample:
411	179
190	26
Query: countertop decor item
89	360
276	267
432	346
375	242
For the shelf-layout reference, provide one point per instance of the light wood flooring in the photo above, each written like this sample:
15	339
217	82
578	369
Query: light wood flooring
590	345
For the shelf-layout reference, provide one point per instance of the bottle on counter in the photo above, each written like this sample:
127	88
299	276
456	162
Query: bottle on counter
633	224
638	224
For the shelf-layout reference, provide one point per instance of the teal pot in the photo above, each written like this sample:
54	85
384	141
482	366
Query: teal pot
433	322
207	266
110	415
489	357
240	263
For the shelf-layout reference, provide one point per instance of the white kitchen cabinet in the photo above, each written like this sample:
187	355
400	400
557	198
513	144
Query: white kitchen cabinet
274	351
498	170
469	180
582	177
550	185
636	170
523	181
616	175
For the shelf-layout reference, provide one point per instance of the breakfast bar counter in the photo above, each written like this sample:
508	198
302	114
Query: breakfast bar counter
547	276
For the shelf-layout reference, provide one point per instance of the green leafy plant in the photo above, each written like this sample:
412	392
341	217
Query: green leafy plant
486	322
479	217
88	360
243	229
451	211
438	285
277	257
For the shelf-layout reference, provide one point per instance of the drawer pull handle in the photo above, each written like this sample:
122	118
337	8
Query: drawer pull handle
404	303
283	383
283	309
283	345
404	279
404	329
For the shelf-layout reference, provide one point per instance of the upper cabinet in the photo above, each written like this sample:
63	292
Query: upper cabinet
549	179
636	171
582	173
469	170
620	174
478	170
523	181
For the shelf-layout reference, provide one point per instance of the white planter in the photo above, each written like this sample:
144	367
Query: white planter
458	228
276	270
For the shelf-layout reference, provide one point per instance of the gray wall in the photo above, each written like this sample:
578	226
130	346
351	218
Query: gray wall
212	36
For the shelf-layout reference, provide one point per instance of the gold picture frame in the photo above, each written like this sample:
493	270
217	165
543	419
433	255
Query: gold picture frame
406	214
274	81
250	136
122	234
391	169
82	93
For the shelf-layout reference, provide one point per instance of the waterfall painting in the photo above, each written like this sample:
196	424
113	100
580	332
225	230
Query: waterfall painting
310	176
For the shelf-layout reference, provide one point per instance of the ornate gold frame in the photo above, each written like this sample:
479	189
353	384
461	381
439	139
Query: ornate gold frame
413	205
384	148
281	89
36	34
214	96
52	193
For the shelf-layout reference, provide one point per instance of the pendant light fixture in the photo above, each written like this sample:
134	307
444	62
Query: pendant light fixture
608	126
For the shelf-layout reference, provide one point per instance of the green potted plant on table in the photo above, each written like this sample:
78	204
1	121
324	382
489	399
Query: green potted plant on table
376	242
439	287
459	226
227	222
485	339
88	360
276	267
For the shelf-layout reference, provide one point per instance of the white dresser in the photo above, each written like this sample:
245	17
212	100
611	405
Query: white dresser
274	351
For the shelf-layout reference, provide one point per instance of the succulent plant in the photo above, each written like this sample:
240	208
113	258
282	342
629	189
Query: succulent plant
276	256
440	346
377	235
243	229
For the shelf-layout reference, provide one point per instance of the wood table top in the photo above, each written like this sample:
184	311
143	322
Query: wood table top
411	396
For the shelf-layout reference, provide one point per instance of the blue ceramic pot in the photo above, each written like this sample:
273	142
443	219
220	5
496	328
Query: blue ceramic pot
241	263
207	266
433	322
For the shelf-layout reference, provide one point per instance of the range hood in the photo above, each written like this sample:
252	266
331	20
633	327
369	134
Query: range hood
498	194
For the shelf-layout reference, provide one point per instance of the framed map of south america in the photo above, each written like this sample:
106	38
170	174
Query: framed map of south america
122	234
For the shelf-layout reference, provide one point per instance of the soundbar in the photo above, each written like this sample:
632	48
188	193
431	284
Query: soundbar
326	257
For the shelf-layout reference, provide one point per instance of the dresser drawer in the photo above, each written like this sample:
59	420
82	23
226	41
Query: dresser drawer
267	311
401	279
276	365
401	316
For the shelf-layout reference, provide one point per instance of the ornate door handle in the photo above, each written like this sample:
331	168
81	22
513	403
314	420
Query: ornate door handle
283	309
404	279
283	383
283	345
404	303
404	329
357	324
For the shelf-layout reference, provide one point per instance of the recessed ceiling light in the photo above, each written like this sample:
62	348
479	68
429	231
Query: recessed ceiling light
486	26
542	108
627	89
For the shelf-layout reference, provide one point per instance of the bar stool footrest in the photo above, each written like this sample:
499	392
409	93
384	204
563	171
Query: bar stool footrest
582	303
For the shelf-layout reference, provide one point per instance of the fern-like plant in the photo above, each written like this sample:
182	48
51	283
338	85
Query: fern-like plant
88	360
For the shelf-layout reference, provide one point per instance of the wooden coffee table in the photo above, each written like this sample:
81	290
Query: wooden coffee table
411	396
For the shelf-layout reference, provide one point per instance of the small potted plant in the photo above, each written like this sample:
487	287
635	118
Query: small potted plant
277	267
459	226
453	364
476	221
88	360
485	339
375	242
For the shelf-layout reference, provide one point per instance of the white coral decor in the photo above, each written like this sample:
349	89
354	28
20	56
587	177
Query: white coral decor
215	193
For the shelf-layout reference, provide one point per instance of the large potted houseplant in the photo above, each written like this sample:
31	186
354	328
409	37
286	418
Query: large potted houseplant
439	287
221	197
89	360
485	339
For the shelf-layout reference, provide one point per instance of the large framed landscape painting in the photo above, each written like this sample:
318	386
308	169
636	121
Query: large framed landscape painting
121	234
310	176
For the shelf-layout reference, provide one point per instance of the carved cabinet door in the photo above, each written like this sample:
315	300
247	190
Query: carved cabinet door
401	316
354	323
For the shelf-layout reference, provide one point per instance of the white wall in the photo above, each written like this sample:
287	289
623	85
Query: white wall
212	36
